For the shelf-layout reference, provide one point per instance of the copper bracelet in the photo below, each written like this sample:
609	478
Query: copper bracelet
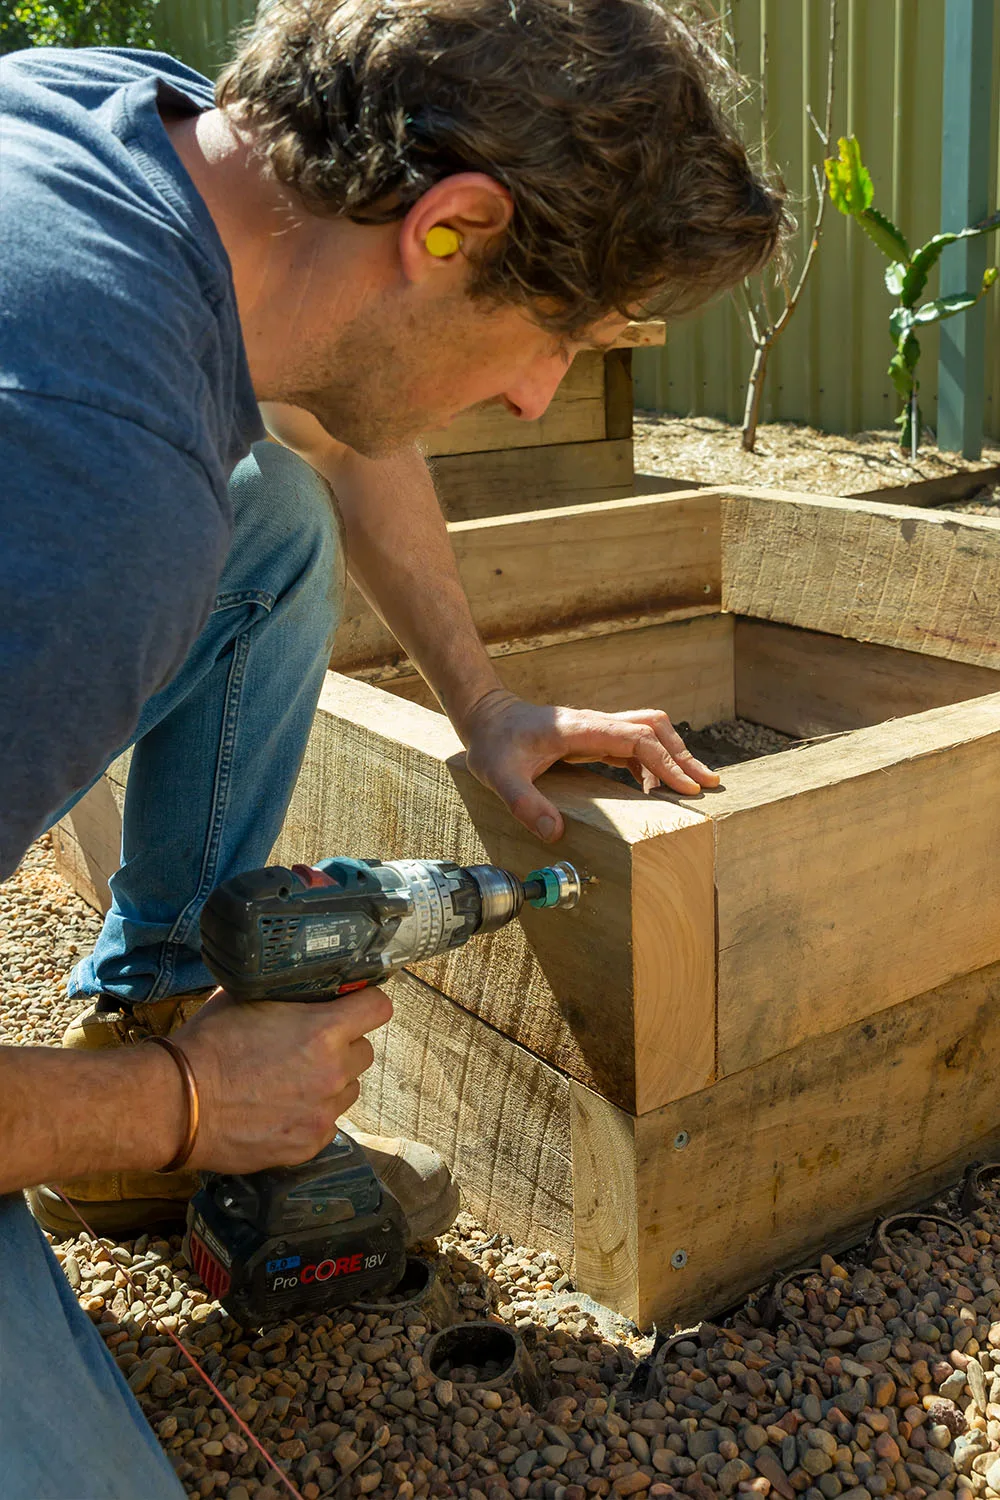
191	1098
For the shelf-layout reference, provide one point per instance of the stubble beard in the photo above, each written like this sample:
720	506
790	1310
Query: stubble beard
361	390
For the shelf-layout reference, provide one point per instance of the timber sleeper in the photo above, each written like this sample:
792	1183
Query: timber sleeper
778	1000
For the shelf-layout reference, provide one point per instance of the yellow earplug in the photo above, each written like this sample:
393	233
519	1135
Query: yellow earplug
442	241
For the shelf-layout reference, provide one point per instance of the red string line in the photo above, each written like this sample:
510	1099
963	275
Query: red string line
192	1361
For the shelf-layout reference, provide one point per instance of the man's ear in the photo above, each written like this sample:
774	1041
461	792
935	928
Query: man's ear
454	222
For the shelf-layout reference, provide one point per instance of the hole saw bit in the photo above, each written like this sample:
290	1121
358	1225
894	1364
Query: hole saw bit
299	1240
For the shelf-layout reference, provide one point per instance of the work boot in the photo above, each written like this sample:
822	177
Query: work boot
123	1204
416	1176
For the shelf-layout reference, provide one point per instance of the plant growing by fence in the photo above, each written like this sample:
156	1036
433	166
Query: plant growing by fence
906	277
77	23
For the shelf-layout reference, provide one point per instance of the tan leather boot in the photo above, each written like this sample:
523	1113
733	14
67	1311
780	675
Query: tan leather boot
122	1204
417	1176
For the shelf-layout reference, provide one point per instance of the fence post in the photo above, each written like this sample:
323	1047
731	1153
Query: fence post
965	163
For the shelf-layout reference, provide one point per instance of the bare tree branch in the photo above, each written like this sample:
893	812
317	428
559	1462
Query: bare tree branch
765	330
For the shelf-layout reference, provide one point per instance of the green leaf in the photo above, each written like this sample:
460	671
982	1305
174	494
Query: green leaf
989	276
900	323
76	23
895	277
884	233
946	307
923	262
850	181
926	257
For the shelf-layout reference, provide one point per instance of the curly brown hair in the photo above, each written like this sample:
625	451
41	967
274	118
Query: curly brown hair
604	119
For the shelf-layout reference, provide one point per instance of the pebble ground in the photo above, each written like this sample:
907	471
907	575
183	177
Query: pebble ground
874	1375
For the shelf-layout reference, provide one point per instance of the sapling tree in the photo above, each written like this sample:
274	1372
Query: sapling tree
765	326
906	277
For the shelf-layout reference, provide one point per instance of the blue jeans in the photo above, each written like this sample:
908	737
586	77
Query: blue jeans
217	751
70	1428
215	758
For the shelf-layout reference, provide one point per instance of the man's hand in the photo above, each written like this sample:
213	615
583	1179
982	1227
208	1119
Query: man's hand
511	742
273	1079
275	1076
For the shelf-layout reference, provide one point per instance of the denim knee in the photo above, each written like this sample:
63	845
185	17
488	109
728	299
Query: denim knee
288	540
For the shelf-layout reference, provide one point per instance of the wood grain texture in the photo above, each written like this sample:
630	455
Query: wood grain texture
782	1161
805	683
87	841
389	777
673	965
685	667
799	1154
498	1115
632	966
618	398
510	480
575	414
894	575
852	874
606	1186
642	335
614	561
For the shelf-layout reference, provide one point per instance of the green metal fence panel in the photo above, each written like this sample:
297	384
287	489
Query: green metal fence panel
200	32
828	369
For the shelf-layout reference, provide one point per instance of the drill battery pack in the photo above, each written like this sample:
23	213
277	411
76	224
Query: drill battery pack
296	1241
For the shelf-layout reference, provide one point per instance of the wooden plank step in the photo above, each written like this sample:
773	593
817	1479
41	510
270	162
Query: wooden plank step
923	580
687	664
510	480
616	560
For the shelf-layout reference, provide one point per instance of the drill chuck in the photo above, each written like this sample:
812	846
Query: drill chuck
503	895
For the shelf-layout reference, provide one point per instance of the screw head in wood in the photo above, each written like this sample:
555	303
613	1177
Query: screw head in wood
679	1259
681	1139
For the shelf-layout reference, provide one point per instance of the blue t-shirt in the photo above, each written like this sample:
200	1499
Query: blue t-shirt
125	403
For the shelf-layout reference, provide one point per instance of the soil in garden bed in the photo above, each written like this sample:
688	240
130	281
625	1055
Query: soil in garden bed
719	745
704	450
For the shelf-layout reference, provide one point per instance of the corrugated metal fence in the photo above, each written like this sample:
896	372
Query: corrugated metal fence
829	367
199	32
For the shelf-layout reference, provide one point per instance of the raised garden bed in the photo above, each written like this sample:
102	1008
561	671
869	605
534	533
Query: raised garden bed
776	1010
704	451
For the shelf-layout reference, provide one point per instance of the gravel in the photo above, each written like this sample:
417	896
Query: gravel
871	1375
726	743
734	740
44	930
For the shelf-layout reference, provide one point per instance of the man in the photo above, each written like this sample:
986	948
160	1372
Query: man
390	213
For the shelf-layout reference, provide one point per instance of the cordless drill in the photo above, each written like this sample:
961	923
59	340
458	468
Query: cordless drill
295	1241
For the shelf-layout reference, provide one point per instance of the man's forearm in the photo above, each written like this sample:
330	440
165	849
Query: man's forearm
65	1114
401	558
